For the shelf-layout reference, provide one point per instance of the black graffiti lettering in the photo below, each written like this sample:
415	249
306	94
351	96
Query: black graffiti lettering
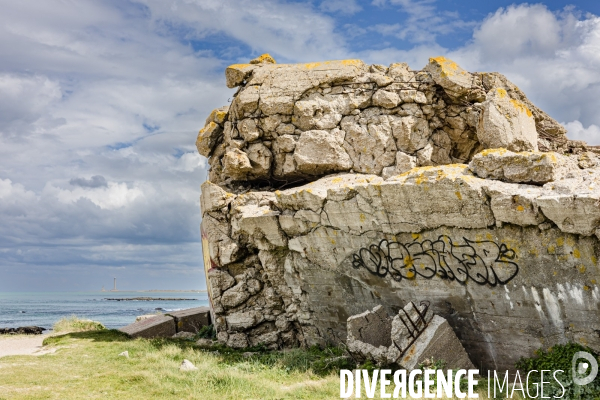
482	261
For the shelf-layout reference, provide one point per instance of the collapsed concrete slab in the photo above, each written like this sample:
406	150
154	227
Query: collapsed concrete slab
192	319
158	326
167	325
413	337
336	187
437	342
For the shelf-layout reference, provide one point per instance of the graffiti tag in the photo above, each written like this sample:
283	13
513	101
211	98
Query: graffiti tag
483	262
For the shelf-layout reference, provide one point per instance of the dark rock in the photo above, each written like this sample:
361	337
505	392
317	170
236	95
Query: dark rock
148	299
24	330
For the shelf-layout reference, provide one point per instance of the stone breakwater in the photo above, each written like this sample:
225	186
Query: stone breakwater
336	187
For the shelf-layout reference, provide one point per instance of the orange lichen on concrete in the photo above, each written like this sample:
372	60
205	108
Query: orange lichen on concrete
521	107
449	67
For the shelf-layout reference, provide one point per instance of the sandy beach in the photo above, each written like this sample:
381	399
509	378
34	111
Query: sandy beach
22	345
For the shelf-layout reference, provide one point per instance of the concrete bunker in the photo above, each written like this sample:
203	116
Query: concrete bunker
337	187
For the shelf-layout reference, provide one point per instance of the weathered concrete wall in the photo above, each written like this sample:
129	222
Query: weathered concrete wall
504	248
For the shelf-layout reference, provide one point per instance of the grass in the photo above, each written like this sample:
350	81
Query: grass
74	324
87	365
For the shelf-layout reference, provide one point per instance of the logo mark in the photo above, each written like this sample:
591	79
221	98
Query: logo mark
580	368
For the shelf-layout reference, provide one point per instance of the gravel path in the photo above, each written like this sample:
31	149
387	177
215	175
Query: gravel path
22	345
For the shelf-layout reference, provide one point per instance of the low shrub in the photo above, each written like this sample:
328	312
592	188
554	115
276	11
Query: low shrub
74	324
560	357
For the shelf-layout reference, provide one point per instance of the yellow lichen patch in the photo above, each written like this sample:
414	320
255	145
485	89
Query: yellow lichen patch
308	190
264	59
560	241
593	281
415	236
362	217
499	151
355	63
220	116
488	236
420	179
586	287
520	106
448	66
520	208
581	268
352	62
534	252
457	193
336	180
501	92
332	241
576	253
594	260
239	66
551	249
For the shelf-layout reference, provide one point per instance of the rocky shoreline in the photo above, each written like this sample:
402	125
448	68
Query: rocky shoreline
24	330
149	299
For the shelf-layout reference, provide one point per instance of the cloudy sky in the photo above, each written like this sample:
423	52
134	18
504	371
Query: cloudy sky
101	101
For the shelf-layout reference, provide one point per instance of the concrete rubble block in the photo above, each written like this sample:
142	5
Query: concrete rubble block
283	84
248	130
159	326
512	206
404	163
207	138
192	319
369	334
456	81
246	102
438	342
319	111
213	197
373	327
318	152
411	133
525	167
238	340
506	123
243	320
236	74
236	164
573	213
386	99
371	147
401	326
218	116
415	335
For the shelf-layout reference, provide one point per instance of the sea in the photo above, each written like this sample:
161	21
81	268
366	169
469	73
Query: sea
45	308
